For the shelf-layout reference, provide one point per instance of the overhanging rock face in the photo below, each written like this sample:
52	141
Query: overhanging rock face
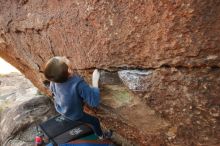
177	41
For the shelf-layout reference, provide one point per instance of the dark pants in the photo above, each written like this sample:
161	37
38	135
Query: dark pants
94	122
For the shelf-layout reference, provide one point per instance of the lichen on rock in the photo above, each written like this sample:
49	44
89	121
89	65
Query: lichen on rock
134	79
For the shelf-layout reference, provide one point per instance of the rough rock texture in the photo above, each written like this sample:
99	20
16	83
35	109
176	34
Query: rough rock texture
109	34
22	115
24	138
21	110
177	40
187	98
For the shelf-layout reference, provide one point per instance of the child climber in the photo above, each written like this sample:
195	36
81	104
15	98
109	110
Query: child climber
71	92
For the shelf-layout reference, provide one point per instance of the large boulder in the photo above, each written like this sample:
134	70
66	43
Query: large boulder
175	42
21	110
109	34
17	119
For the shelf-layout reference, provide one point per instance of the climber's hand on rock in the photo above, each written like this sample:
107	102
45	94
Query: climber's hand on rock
95	78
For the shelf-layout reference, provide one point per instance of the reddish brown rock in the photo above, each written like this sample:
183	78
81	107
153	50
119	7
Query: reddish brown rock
178	40
189	100
112	34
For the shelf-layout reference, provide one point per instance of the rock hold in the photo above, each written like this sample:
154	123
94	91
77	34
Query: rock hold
135	79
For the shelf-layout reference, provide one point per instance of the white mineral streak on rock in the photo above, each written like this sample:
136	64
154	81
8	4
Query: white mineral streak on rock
212	57
133	79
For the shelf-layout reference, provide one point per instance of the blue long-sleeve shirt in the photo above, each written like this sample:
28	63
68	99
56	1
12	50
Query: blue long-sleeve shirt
70	95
